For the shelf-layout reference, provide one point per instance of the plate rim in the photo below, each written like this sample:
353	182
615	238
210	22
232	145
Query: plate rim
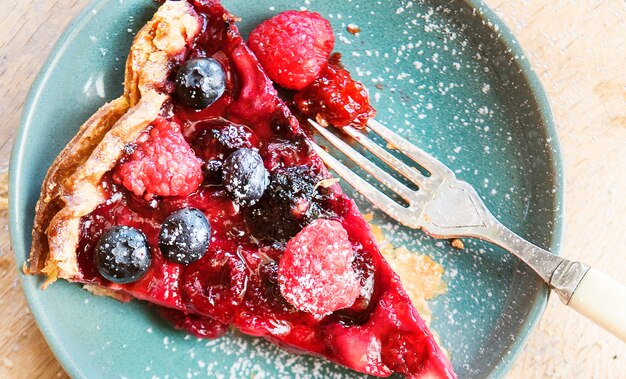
555	155
506	37
55	343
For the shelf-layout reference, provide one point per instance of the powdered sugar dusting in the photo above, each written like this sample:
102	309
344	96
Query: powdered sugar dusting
244	357
441	78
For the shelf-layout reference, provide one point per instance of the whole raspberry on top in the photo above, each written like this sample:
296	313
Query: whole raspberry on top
335	98
163	164
315	273
293	47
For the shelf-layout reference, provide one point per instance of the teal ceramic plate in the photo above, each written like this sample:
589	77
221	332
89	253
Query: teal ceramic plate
447	74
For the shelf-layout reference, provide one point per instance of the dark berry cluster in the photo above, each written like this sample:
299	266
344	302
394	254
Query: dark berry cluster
291	201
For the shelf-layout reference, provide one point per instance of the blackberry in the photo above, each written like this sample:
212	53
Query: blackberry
290	202
216	139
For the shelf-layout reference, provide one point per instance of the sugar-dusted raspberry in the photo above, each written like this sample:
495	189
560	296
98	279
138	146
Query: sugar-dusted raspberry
293	47
315	273
163	164
335	98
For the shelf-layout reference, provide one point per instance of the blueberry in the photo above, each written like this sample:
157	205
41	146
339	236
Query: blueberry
244	176
200	82
122	254
185	236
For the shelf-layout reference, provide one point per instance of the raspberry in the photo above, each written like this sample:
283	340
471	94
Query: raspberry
335	98
315	273
162	165
293	47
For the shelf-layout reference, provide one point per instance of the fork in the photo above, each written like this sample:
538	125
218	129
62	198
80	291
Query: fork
446	207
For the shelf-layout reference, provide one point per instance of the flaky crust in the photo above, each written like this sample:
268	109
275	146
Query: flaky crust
71	188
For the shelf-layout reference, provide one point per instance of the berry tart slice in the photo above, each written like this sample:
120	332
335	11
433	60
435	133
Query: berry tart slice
197	191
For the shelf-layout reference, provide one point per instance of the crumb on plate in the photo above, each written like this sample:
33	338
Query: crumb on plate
353	29
457	244
421	276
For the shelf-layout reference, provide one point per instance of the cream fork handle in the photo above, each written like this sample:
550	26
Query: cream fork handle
587	290
602	300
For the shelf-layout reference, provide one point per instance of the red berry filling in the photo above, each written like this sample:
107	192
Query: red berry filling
362	319
163	164
216	285
199	326
293	47
315	273
335	98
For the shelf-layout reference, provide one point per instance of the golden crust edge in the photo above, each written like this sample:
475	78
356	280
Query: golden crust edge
70	189
102	291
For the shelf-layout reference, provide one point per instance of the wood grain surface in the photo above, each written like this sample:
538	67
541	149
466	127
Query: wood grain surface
576	47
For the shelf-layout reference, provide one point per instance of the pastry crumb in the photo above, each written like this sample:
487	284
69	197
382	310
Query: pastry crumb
4	190
421	276
321	120
457	244
7	362
326	183
353	29
101	291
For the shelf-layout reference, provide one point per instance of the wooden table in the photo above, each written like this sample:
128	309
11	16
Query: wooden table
577	50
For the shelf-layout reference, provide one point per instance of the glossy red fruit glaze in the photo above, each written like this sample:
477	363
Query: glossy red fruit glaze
293	47
216	285
160	283
251	98
279	153
335	98
199	326
315	273
162	164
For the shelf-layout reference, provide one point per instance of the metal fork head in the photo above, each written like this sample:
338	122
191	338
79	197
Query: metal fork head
443	206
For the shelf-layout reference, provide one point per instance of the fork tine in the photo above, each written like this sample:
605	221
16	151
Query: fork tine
388	180
378	198
418	155
409	172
